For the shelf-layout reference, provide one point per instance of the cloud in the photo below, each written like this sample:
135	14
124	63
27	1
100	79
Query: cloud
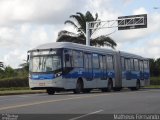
127	2
37	11
16	41
140	10
14	58
133	35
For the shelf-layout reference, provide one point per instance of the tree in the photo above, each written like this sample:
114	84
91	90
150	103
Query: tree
154	67
80	25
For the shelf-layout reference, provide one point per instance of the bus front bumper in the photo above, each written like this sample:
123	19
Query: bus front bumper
42	84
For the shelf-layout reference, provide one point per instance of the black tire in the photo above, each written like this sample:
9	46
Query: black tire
79	87
104	89
110	86
86	90
117	89
50	91
138	85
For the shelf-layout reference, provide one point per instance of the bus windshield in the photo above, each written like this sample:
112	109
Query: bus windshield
45	63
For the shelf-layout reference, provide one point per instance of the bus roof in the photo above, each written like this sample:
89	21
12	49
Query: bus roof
74	46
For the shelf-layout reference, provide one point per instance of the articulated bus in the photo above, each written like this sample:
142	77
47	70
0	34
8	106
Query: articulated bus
64	66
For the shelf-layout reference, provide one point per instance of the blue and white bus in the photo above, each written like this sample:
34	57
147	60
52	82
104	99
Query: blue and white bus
64	66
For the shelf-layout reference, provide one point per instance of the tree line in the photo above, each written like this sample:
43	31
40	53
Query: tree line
155	67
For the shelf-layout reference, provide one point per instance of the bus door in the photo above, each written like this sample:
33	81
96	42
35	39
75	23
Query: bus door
141	67
103	77
103	68
128	69
88	69
96	69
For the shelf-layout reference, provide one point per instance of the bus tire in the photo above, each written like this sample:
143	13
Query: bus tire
86	90
50	91
104	89
79	87
110	86
117	89
138	85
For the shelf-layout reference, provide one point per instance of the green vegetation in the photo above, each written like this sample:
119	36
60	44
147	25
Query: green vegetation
14	82
10	77
21	91
153	86
154	67
14	88
155	80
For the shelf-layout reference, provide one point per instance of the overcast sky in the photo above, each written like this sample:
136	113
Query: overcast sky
25	24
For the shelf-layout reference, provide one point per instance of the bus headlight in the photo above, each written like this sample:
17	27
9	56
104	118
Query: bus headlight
58	74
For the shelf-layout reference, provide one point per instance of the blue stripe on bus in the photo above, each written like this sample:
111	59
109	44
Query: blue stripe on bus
42	76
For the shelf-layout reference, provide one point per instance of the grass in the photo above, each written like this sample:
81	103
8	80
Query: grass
153	86
19	90
14	88
155	80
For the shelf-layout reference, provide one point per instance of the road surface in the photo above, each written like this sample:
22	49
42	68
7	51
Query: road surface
81	106
143	101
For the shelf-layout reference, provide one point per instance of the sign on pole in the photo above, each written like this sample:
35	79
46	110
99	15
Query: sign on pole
132	22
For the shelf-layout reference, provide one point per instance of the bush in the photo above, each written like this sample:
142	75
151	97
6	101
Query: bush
155	81
14	82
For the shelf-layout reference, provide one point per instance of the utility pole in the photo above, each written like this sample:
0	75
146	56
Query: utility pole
87	34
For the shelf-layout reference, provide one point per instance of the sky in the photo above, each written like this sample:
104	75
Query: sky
25	24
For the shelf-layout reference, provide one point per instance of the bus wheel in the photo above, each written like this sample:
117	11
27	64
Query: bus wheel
110	86
86	90
50	91
104	89
138	85
79	87
117	89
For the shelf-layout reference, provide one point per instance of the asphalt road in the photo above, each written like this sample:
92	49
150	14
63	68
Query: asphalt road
142	101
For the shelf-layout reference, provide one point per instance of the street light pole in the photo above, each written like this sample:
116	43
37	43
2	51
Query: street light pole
87	34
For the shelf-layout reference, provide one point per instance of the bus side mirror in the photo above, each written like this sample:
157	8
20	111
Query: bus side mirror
66	57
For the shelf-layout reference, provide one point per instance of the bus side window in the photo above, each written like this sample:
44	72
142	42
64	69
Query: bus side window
68	58
141	65
87	61
95	60
145	65
136	65
77	58
101	62
127	64
109	62
104	63
132	66
90	61
122	63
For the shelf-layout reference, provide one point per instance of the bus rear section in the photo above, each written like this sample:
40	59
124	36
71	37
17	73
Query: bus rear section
134	71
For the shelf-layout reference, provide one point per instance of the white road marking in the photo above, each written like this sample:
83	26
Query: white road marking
86	115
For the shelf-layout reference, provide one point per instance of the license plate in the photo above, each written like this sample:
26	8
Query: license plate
41	84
